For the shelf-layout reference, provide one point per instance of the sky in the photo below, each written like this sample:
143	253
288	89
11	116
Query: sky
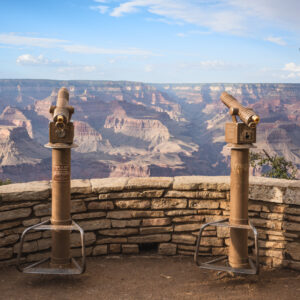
154	41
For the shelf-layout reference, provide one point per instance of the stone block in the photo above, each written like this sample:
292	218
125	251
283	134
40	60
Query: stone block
183	239
210	204
272	253
33	236
272	216
81	186
270	224
215	212
6	253
156	222
152	230
211	241
17	205
219	183
77	206
42	209
8	240
125	223
293	249
154	238
27	247
114	248
135	204
146	214
95	224
89	239
223	232
169	203
44	244
291	226
292	210
105	185
254	207
102	205
266	193
184	219
180	212
293	218
15	214
292	195
119	232
219	251
89	215
30	222
8	225
112	240
272	244
100	250
187	227
132	195
167	249
35	190
149	183
130	249
76	252
126	214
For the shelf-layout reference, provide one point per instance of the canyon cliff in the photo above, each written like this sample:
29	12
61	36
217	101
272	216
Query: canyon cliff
136	129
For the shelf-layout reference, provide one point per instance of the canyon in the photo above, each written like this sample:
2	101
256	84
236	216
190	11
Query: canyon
138	129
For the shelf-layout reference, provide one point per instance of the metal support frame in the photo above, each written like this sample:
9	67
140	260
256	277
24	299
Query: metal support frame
35	269
254	267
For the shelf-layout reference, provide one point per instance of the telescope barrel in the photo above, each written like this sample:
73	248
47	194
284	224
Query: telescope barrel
247	115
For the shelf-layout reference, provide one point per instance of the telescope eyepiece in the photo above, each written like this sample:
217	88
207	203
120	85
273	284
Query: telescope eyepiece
60	124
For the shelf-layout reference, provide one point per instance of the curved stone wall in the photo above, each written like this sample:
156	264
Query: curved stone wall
125	215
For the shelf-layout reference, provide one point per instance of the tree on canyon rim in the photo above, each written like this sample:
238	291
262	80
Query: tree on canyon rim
275	166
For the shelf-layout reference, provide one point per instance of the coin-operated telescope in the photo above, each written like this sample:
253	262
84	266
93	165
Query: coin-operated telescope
61	135
239	136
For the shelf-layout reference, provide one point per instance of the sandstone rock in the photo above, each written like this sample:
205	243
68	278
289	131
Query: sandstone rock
114	248
95	224
291	226
8	240
154	238
145	214
193	218
37	256
42	209
126	214
272	253
219	251
15	214
272	244
125	223
293	218
100	250
149	182
33	236
35	190
77	206
271	224
167	249
180	212
193	247
130	249
90	215
119	232
293	249
254	207
276	238
204	204
266	193
220	183
112	240
211	212
6	253
211	241
105	185
187	227
135	204
133	195
89	239
81	186
292	195
9	224
272	216
225	205
295	265
222	232
209	219
292	210
152	230
30	222
44	244
18	205
77	252
183	239
156	222
168	203
103	205
27	247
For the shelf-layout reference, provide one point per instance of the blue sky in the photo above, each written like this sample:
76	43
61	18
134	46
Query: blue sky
180	41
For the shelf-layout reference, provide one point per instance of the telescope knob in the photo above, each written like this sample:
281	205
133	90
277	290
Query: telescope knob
234	111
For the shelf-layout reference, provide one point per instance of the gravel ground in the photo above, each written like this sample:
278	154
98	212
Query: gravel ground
149	277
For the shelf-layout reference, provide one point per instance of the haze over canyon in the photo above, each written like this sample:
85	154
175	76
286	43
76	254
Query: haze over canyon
138	129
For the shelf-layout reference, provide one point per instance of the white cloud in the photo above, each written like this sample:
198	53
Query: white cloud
77	69
102	9
27	59
232	16
68	46
148	68
276	40
293	69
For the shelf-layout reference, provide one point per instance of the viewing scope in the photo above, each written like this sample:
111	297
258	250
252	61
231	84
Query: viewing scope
247	115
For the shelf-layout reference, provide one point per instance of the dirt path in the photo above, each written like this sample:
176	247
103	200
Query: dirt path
150	277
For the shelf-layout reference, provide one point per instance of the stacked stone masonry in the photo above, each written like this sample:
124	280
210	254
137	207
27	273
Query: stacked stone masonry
122	215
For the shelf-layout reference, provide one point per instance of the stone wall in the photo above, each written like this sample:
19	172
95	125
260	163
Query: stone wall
124	215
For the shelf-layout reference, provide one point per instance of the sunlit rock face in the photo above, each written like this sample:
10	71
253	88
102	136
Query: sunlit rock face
136	129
